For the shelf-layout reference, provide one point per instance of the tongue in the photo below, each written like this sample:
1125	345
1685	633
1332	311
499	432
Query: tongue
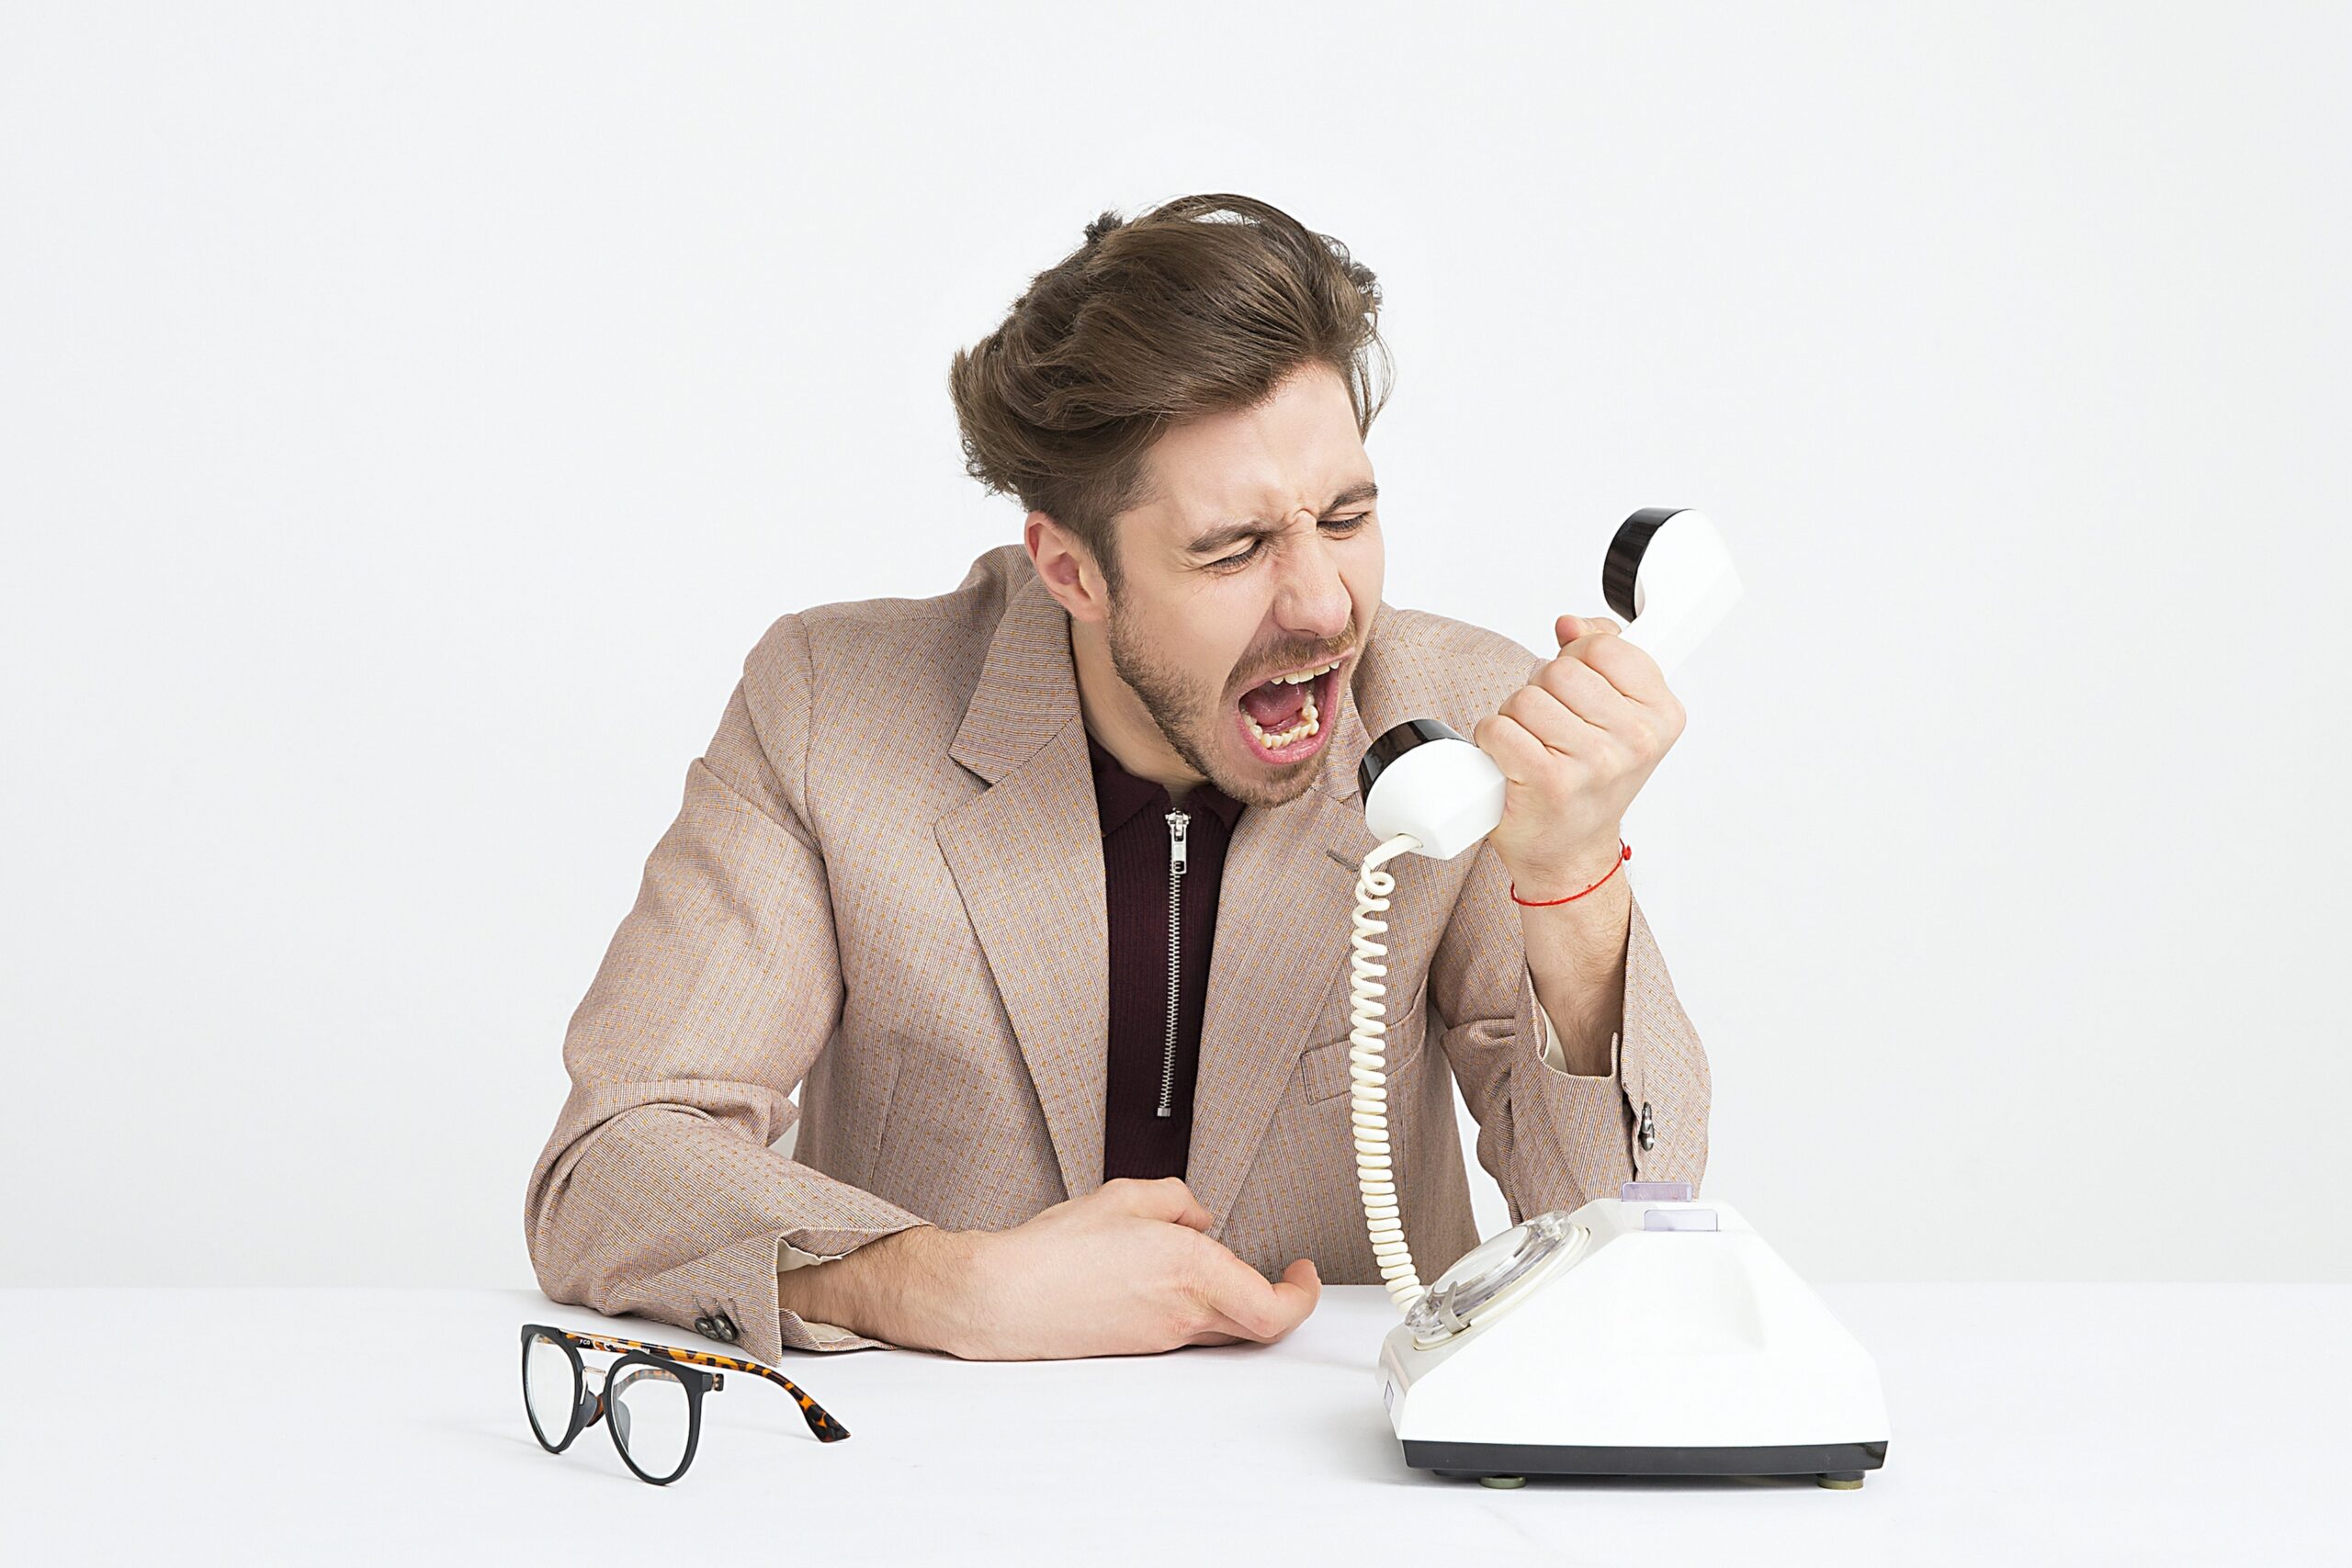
1275	707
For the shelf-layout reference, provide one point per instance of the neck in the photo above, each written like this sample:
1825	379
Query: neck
1116	717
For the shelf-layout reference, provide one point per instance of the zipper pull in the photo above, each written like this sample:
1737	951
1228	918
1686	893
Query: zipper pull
1177	822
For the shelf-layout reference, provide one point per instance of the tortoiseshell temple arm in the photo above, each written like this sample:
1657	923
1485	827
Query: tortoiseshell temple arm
826	1428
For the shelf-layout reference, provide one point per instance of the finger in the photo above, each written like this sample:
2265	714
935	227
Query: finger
1551	721
1165	1199
1626	665
1241	1295
1519	755
1588	693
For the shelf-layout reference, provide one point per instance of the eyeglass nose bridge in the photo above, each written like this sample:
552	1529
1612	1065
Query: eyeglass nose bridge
592	1396
597	1386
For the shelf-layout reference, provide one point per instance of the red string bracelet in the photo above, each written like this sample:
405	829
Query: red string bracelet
1625	853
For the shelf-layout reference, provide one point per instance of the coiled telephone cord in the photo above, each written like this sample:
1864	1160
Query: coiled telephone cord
1367	1074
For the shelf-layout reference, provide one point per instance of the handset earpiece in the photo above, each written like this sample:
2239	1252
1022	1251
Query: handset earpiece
1669	573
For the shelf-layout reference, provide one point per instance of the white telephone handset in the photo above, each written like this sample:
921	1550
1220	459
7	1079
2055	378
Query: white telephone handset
1426	790
1643	1333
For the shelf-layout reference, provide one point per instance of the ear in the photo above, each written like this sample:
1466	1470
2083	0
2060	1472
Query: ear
1068	568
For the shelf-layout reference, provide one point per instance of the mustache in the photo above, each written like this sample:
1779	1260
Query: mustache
1317	653
1294	661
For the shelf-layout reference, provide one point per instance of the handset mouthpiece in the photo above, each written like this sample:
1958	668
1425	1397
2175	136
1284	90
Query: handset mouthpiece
1425	780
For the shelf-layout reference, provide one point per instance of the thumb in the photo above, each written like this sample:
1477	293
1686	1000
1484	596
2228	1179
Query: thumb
1570	628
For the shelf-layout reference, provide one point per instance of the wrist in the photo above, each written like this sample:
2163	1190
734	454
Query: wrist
904	1289
1574	877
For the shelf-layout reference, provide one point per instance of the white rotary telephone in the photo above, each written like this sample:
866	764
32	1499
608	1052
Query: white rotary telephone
1646	1334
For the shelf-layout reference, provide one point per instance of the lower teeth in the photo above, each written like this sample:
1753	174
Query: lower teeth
1309	723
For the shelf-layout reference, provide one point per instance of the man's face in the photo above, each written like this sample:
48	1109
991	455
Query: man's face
1260	557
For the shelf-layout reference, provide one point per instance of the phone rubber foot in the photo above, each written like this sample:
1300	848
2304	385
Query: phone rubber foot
1842	1481
1502	1483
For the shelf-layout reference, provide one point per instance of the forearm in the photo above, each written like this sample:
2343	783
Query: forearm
1576	953
906	1289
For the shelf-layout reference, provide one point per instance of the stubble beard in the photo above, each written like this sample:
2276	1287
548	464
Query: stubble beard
1188	717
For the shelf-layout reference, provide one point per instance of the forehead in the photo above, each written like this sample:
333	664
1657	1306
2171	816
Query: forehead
1298	448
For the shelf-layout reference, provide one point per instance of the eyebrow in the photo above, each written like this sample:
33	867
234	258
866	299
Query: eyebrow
1227	534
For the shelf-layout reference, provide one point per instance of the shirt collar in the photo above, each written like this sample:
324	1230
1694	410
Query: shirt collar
1119	795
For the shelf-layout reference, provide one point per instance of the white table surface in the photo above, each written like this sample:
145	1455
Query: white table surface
2076	1423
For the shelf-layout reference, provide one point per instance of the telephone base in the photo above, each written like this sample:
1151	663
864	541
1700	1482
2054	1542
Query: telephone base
1648	1334
1839	1459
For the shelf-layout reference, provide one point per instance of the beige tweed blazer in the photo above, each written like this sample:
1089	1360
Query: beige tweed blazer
885	887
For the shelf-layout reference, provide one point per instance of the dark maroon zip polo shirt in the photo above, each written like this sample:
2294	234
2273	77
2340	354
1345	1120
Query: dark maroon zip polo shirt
1136	852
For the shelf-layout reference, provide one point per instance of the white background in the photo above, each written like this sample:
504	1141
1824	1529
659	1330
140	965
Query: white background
410	418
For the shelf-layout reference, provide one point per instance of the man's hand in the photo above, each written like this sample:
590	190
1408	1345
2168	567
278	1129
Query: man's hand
1124	1270
1576	744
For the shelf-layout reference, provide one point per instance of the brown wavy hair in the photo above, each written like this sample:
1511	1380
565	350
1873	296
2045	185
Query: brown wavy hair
1199	306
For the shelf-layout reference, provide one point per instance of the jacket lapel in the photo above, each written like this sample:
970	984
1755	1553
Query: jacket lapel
1027	858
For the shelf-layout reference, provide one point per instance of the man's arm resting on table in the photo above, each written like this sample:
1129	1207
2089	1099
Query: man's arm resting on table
1129	1269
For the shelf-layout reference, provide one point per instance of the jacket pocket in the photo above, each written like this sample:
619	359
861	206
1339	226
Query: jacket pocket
1322	1071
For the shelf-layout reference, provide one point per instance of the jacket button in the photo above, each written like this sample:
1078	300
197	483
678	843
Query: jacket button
1649	1128
722	1329
704	1327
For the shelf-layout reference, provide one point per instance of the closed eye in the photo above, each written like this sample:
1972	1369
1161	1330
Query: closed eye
1342	526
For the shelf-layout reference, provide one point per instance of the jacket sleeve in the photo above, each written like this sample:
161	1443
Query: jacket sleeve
1552	1139
659	1192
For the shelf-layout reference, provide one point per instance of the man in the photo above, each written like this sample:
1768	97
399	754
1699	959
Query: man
920	871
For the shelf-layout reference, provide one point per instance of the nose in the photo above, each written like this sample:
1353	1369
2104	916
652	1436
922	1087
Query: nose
1310	597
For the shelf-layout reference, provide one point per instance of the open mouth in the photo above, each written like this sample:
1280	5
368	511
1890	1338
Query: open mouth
1286	719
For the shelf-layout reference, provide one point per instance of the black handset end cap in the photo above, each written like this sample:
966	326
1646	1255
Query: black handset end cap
1393	743
1623	562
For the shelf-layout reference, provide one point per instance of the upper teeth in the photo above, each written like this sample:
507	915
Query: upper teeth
1304	675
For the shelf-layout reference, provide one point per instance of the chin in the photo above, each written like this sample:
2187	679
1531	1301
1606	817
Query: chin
1256	783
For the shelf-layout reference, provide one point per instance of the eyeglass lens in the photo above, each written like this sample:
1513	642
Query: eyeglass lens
651	1416
550	1389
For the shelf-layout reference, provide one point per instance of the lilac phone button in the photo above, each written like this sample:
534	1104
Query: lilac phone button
1655	1192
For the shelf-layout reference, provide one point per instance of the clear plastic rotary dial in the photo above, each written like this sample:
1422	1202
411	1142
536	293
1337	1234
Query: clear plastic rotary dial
1486	1280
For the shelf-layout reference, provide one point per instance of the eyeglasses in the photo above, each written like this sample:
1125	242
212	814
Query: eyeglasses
650	1398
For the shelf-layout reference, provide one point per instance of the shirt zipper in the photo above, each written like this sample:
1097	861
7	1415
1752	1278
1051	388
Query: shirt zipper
1177	822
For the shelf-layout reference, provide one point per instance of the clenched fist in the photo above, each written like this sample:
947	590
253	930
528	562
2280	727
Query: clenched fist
1576	744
